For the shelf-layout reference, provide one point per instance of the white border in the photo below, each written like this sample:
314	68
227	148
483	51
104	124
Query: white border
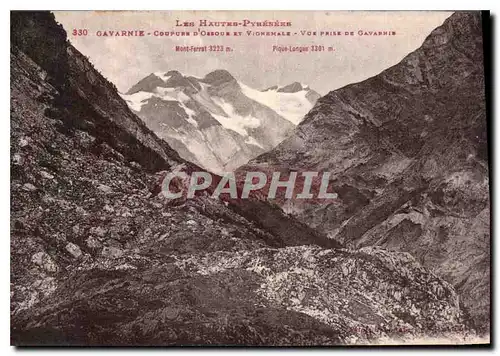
191	5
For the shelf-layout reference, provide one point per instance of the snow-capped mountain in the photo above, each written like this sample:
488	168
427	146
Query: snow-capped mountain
218	122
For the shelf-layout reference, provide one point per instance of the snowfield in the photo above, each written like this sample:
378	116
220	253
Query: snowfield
291	106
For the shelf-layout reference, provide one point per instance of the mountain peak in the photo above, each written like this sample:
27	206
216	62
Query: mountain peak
293	88
173	73
148	84
219	76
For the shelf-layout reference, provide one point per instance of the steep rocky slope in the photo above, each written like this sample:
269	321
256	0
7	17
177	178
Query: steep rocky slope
408	155
98	257
216	121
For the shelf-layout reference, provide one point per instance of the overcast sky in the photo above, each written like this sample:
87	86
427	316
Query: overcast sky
126	60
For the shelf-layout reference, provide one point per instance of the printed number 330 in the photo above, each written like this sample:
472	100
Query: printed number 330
80	32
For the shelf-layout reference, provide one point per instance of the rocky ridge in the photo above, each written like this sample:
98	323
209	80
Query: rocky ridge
408	154
100	258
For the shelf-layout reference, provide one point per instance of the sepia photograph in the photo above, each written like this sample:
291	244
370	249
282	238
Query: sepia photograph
250	178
